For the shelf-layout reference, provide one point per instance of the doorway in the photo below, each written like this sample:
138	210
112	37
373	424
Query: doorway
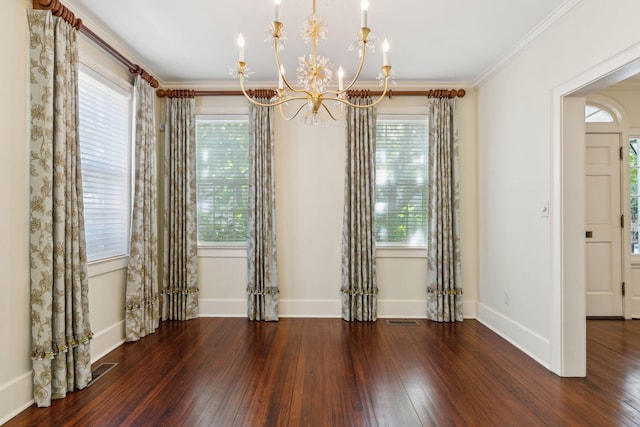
568	340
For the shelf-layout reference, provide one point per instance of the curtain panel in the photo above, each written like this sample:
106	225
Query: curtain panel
142	307
180	278
359	289
60	325
444	270
262	287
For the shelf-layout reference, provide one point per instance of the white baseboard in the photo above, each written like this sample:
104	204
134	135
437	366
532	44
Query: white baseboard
15	397
528	341
470	309
325	308
417	309
310	308
402	309
107	340
222	307
287	308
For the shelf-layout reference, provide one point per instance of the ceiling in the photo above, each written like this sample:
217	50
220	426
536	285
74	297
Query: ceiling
194	41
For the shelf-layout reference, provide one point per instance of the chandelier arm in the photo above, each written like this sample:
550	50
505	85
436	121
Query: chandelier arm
357	76
284	116
271	104
246	95
279	64
376	102
333	117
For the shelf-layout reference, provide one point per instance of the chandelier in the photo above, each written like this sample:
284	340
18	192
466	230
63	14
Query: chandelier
314	73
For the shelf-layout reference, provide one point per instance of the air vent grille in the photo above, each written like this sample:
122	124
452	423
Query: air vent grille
100	370
402	322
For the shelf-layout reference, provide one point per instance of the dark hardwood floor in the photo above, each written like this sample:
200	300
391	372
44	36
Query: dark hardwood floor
327	372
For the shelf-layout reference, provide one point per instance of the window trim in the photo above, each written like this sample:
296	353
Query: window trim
208	251
108	265
400	252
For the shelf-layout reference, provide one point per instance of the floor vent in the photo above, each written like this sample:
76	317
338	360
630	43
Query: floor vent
100	370
402	322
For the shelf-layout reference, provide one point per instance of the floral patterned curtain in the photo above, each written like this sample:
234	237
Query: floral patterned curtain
60	325
262	285
359	288
444	271
180	279
142	309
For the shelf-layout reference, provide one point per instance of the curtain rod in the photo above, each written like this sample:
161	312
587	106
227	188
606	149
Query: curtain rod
188	93
58	9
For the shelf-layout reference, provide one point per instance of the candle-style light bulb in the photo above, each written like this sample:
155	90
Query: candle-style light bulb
276	4
385	52
364	8
241	47
340	78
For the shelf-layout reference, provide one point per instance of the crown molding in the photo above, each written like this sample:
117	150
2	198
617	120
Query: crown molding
525	41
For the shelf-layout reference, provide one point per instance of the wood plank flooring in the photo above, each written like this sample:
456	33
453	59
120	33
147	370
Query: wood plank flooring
327	372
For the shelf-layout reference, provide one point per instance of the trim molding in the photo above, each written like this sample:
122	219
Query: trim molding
525	41
402	309
223	307
470	309
15	397
310	308
413	309
107	340
526	340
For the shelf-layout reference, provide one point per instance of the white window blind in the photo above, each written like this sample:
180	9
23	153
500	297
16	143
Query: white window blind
222	176
401	180
105	113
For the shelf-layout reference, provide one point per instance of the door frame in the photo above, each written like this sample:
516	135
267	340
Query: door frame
568	311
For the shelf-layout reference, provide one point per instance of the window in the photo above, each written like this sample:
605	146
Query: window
222	176
105	113
634	166
595	114
401	180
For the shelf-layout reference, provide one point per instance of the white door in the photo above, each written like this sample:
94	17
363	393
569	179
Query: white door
603	220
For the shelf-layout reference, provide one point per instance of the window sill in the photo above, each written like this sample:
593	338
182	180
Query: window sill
108	265
400	252
239	251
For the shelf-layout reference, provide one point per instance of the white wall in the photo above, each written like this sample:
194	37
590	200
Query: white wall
309	205
516	175
15	330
